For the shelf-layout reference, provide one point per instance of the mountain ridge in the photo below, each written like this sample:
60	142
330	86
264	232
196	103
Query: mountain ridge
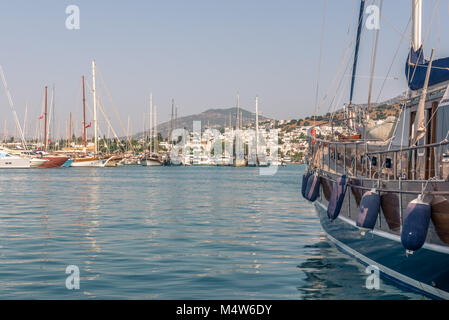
216	118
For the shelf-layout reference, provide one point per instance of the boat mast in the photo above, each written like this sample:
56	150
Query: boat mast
237	124
151	123
357	45
52	118
176	117
171	119
156	146
257	127
356	56
25	120
45	121
95	107
416	24
127	134
84	116
70	129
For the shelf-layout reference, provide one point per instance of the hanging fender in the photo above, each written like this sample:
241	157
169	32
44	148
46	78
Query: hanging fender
369	210
313	187
305	179
416	225
337	197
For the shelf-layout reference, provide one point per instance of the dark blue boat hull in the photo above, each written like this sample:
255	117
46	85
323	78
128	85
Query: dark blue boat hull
426	270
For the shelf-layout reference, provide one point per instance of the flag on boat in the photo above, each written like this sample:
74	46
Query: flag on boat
89	125
41	117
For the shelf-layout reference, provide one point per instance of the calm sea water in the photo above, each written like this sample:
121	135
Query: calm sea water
169	233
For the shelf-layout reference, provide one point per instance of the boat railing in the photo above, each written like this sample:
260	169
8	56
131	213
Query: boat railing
371	160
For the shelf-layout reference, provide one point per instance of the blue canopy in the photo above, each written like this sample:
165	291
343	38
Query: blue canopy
416	68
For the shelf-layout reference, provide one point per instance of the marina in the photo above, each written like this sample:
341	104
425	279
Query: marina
225	152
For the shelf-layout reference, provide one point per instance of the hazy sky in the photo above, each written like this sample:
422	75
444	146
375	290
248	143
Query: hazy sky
199	52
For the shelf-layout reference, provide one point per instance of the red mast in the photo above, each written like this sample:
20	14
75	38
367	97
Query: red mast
84	115
45	114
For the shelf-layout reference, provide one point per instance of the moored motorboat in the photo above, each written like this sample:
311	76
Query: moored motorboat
8	161
87	162
151	160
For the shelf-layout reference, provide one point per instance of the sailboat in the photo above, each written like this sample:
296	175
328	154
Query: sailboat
386	201
52	161
259	158
88	160
8	160
152	158
239	160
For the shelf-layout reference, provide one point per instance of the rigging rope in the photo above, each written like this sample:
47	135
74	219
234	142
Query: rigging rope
105	116
11	104
394	59
320	57
342	63
373	58
115	109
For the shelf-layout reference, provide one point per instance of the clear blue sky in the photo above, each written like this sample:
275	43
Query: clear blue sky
200	52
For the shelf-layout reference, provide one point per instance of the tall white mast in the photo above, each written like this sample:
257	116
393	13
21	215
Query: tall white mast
156	144
416	24
95	107
25	120
257	126
144	131
238	112
151	123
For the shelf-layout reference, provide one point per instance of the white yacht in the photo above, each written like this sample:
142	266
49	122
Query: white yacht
8	161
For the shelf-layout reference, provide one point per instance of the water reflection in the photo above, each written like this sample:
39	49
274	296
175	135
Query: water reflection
331	274
168	233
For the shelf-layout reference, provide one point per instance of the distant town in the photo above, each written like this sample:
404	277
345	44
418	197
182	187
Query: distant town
292	141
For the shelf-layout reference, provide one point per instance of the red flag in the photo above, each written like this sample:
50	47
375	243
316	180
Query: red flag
41	117
89	125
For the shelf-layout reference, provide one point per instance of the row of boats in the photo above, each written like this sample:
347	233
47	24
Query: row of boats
16	159
39	159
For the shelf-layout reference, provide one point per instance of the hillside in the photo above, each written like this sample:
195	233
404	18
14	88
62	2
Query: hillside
212	118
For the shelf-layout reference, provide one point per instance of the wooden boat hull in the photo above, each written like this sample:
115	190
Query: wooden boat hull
53	161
